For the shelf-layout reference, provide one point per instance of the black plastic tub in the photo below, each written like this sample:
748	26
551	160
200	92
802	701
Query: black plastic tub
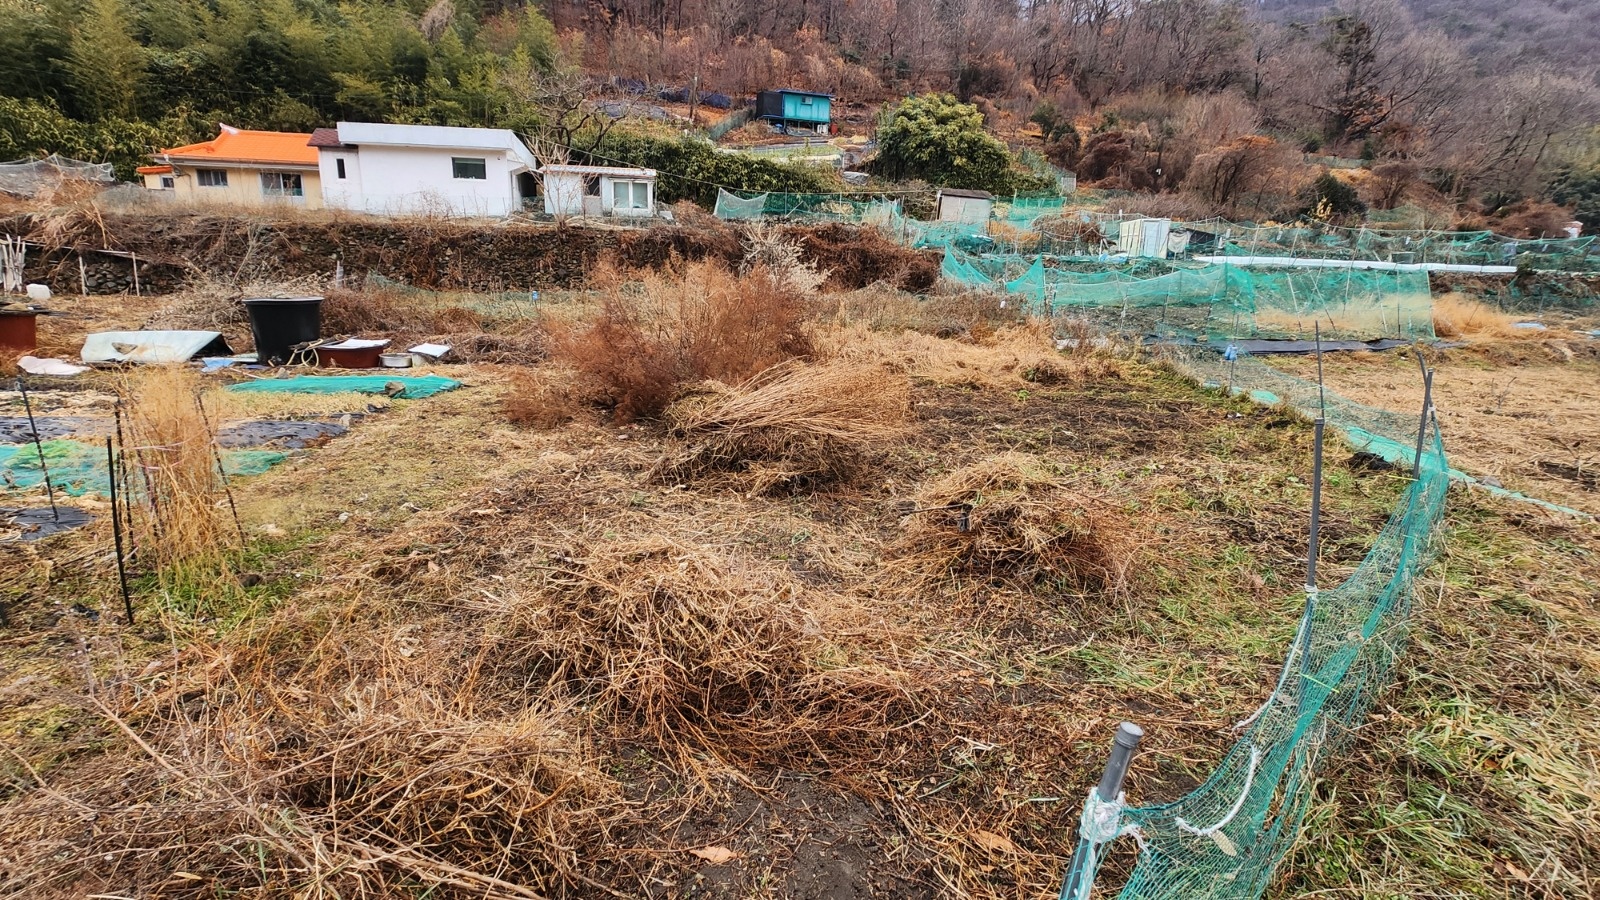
279	324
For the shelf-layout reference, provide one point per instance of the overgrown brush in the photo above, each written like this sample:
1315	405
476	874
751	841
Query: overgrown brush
671	329
387	311
695	650
791	425
1014	518
766	246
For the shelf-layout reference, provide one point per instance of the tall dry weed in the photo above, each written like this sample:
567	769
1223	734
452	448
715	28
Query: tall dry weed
694	323
170	446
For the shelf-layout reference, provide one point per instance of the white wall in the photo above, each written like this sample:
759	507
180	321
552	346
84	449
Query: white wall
971	210
563	194
395	180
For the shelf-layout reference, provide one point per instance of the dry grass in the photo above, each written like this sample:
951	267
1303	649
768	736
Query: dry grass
1010	358
792	425
695	650
170	443
1457	315
1014	518
668	330
542	398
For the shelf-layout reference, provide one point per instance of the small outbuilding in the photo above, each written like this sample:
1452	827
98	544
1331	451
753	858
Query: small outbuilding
571	190
970	207
1145	237
796	112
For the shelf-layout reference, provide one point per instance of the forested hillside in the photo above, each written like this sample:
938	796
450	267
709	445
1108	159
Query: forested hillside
1211	96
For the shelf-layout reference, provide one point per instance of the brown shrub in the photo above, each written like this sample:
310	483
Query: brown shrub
792	424
696	323
541	398
856	256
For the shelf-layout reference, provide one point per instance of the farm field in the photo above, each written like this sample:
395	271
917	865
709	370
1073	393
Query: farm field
861	627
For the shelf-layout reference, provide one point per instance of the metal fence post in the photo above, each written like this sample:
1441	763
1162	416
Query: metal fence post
1083	856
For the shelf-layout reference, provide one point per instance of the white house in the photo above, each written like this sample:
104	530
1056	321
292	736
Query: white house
970	207
399	169
598	191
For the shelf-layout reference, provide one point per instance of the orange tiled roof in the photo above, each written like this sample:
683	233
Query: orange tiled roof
238	145
154	170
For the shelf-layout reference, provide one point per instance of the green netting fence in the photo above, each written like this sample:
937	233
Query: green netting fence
1316	240
1227	837
1211	299
77	468
807	208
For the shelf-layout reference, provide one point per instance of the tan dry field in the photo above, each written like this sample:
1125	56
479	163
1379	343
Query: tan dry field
1523	413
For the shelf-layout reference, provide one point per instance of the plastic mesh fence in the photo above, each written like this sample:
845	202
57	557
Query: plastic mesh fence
77	468
806	208
27	177
1226	838
1212	299
1484	248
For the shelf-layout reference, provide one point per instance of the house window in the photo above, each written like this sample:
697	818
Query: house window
630	195
212	177
281	184
338	165
805	101
467	167
168	183
591	185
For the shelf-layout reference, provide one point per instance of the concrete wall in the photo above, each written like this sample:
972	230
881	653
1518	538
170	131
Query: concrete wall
244	187
385	180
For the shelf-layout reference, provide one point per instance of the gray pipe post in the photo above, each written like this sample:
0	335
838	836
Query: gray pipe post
38	446
1122	747
1316	506
1422	426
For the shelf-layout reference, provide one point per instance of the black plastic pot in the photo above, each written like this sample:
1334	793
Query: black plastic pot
280	324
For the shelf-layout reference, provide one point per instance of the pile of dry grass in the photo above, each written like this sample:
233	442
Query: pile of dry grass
695	650
1015	519
393	312
794	424
696	322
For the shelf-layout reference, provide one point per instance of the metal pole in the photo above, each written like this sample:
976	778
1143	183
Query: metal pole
1422	426
38	446
1316	508
221	472
1322	396
1122	747
116	531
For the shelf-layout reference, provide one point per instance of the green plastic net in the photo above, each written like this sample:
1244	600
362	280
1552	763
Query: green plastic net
1211	299
1315	240
1226	838
77	468
412	388
806	208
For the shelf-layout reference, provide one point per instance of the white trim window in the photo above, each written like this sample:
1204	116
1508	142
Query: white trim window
168	182
211	177
282	184
627	194
470	168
